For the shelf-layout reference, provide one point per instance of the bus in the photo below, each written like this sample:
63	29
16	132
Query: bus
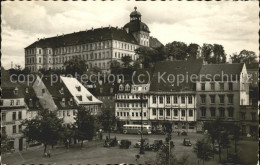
136	129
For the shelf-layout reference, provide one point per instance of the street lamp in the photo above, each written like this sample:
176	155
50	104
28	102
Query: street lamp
142	142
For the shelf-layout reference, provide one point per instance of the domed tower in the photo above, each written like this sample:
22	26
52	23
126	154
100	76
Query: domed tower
137	28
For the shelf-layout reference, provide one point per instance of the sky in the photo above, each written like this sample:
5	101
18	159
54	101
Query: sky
232	24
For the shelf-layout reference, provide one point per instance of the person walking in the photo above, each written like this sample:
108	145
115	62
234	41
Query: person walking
49	153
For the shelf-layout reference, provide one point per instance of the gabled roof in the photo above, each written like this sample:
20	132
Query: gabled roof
232	70
72	84
88	36
166	73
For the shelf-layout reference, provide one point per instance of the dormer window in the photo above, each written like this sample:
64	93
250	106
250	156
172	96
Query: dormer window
16	91
79	98
121	87
90	98
111	90
127	87
26	90
78	88
61	91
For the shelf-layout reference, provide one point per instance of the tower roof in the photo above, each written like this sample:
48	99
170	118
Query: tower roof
135	13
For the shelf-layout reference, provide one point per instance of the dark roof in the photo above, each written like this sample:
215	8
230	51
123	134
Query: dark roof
253	66
154	42
8	93
136	25
88	36
6	80
142	76
232	70
166	73
105	89
54	86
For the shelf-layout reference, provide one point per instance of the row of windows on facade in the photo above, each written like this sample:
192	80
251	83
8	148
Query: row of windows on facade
12	102
132	104
129	96
221	99
81	48
127	88
252	116
221	86
14	116
175	100
134	114
64	113
221	112
14	129
91	56
174	111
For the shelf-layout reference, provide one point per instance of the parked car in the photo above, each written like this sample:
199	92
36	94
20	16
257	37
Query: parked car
186	142
184	133
125	144
157	144
158	132
138	144
110	143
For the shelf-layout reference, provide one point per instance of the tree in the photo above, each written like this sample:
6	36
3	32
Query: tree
85	125
192	51
5	143
45	128
244	56
214	54
203	150
107	120
177	50
75	65
126	61
68	132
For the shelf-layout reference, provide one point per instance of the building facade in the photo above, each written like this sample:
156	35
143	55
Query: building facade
98	47
222	93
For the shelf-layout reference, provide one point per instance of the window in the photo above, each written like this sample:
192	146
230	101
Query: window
182	113
12	102
213	112
117	113
202	86
14	128
133	114
127	87
230	99
168	112
79	98
221	99
154	111
161	99
243	115
20	128
3	116
203	99
20	115
154	99
230	86
14	116
144	114
221	86
212	99
190	113
230	112
203	112
222	112
43	91
183	99
168	100
17	102
175	111
161	112
121	87
190	99
253	116
212	86
175	100
136	114
3	130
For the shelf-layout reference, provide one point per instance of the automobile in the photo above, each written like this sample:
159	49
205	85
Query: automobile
157	144
125	143
110	143
158	132
138	144
184	133
186	142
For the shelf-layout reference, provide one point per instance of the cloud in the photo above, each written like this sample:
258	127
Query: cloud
233	24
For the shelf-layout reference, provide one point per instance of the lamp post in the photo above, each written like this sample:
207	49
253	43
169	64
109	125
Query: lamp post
142	143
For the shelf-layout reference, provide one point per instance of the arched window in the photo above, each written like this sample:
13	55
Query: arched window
127	87
121	87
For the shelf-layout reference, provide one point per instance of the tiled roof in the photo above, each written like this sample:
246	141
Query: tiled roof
166	74
154	42
227	69
136	25
82	37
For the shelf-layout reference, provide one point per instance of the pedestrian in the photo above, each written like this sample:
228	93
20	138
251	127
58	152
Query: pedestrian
178	133
49	153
